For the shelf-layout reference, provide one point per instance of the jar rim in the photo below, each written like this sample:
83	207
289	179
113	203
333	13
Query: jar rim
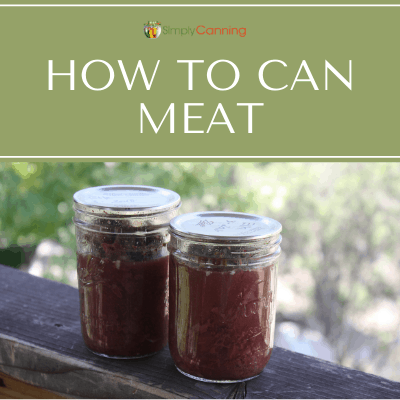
119	201
225	227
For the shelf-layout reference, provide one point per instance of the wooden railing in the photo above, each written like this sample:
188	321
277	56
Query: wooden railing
42	355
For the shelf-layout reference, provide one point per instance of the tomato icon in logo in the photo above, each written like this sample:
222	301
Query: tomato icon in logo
152	30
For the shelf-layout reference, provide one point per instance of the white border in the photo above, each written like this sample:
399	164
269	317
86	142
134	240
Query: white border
243	157
199	5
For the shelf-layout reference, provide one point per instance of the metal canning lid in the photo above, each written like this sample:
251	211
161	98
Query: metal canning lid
125	200
225	235
222	226
125	209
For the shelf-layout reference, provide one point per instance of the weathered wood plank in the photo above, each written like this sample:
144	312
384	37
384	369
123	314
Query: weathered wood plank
54	372
11	388
41	344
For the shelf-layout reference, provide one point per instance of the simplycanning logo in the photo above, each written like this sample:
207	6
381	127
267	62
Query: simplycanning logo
152	30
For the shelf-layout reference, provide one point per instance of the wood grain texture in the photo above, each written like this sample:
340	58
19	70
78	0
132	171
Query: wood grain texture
41	344
11	388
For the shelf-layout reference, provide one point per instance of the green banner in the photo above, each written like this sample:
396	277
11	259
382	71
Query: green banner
191	82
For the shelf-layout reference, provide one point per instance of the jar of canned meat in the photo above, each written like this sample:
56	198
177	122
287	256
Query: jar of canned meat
223	276
122	236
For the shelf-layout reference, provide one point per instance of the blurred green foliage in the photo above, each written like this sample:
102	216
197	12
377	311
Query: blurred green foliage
36	198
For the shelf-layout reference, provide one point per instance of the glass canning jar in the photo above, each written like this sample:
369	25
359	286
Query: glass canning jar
122	236
223	276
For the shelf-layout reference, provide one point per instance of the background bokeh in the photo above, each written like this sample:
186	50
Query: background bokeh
339	276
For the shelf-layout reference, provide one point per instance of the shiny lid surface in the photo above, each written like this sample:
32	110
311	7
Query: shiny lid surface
225	226
126	200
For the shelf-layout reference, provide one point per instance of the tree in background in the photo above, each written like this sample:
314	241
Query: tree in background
36	198
341	228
